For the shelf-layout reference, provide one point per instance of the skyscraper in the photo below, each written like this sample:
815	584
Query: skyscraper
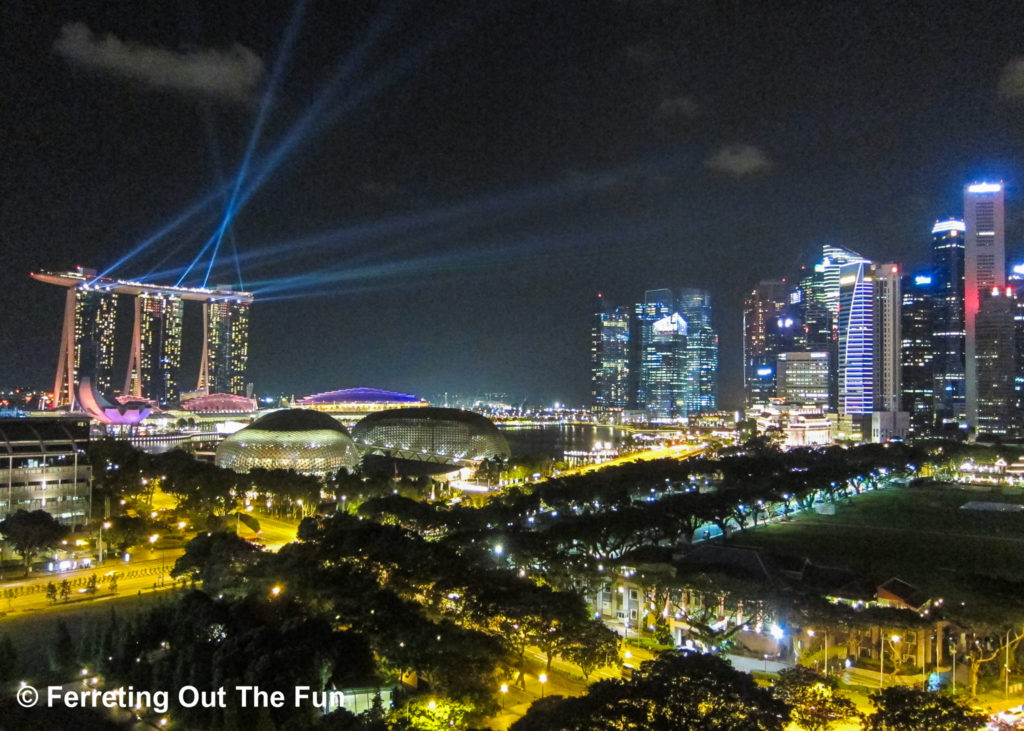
87	341
154	366
984	268
659	355
996	352
948	334
664	370
610	355
917	351
701	351
88	337
225	357
888	386
856	338
763	316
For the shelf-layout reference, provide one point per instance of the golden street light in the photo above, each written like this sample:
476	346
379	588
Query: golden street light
504	690
542	679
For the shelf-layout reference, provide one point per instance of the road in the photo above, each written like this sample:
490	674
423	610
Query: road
147	571
675	451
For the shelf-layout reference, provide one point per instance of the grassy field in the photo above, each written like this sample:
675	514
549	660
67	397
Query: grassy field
919	534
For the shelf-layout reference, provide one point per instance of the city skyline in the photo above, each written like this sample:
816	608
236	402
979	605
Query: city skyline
520	159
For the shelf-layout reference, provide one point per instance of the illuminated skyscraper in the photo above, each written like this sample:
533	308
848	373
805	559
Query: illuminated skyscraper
659	355
154	366
984	268
917	351
225	357
664	368
154	358
856	338
948	334
994	328
763	318
701	392
888	382
869	347
833	258
610	355
87	340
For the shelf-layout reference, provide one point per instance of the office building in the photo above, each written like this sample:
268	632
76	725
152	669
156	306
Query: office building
888	382
984	268
764	328
948	333
803	378
694	305
43	467
610	356
869	346
917	351
996	361
856	338
663	369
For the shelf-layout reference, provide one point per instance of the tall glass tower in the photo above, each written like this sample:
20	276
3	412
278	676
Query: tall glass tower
659	355
701	351
610	355
948	334
856	336
984	268
917	351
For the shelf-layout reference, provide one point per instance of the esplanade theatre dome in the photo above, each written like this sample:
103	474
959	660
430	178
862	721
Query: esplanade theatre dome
308	442
431	433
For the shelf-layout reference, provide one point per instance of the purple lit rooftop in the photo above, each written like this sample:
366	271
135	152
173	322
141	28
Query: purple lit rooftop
359	396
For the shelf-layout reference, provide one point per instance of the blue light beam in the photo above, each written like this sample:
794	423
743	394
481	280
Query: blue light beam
265	104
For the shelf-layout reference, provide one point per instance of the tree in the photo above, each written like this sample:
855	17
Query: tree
218	559
592	646
32	533
8	659
675	691
900	708
979	654
126	531
62	655
815	699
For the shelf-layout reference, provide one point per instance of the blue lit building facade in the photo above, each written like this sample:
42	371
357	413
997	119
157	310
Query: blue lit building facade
661	357
856	339
701	392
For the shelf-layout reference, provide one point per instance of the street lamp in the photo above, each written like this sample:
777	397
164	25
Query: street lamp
104	524
542	678
504	690
152	542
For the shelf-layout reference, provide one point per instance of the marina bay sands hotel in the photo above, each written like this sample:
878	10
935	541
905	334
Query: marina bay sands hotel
89	337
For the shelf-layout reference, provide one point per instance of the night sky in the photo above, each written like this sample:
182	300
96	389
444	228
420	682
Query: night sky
439	188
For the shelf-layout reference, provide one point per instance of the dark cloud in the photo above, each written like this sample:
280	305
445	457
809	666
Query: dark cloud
739	160
1011	80
684	106
232	73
